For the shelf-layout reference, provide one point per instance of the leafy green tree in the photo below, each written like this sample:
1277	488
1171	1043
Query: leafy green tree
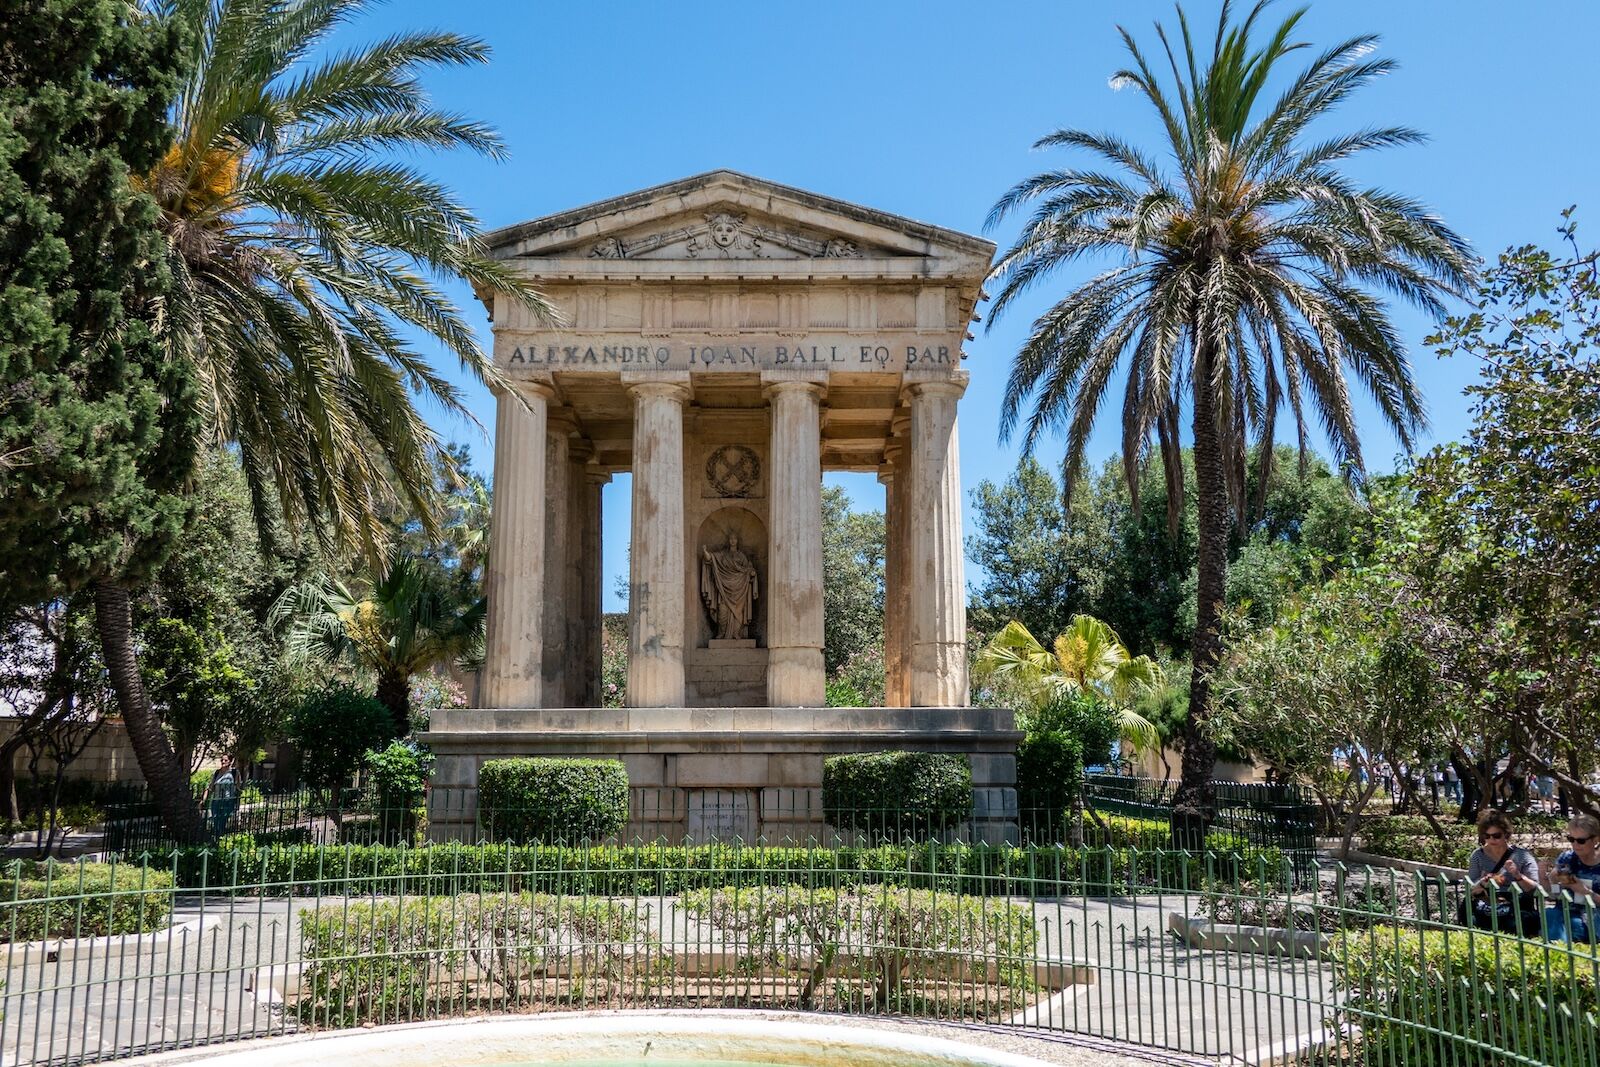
97	425
1246	280
335	729
1334	694
195	685
1504	538
214	670
852	578
1039	561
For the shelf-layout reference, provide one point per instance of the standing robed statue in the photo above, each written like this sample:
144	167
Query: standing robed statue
728	589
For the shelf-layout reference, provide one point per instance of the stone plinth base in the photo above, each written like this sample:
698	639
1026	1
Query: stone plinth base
729	674
731	642
721	773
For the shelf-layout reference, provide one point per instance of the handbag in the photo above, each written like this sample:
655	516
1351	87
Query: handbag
1500	910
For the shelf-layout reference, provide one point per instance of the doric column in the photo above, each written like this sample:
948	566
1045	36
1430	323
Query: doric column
513	666
557	546
896	478
576	545
590	574
656	579
938	575
795	674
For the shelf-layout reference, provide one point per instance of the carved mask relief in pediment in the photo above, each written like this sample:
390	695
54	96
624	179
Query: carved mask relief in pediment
726	235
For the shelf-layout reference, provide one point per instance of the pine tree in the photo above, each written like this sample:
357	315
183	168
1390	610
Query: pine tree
97	426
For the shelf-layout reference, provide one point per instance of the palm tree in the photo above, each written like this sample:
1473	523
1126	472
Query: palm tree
306	254
1088	658
406	620
1244	279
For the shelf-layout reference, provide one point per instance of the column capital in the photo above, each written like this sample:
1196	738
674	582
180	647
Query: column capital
667	388
525	390
953	386
784	386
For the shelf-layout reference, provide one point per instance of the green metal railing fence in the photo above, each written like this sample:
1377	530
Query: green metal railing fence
1280	815
1209	954
1117	811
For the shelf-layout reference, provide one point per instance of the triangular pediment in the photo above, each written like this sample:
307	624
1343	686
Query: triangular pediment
728	216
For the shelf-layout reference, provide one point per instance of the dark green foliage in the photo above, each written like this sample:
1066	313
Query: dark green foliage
1431	998
99	899
1042	564
334	729
1049	778
852	581
897	793
1088	720
97	427
213	668
613	870
399	773
546	799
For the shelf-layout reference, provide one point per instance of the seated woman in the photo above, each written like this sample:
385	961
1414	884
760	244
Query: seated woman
1504	880
1576	881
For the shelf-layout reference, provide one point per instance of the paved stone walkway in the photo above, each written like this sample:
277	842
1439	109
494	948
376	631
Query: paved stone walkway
202	985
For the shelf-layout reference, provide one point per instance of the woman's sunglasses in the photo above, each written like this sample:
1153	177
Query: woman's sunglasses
1498	836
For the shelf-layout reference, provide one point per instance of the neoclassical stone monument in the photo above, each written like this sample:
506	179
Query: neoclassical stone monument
726	340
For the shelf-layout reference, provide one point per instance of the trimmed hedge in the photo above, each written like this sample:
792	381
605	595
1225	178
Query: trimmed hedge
1426	998
546	799
46	900
896	794
651	870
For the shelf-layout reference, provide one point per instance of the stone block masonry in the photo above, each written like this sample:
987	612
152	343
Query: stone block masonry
766	761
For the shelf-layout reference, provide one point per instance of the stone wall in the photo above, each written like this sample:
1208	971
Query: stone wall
109	757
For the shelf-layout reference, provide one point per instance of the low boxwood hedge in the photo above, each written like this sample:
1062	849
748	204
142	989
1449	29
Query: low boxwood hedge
1446	997
47	899
614	870
546	799
895	795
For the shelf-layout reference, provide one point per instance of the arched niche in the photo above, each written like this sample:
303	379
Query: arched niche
713	534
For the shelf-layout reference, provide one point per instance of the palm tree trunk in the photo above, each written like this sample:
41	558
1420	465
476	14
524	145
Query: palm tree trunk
1195	803
394	693
167	780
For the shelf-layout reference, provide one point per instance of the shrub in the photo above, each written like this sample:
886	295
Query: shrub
545	799
399	775
1080	717
47	899
334	730
1413	838
1425	998
900	933
390	961
896	794
1049	778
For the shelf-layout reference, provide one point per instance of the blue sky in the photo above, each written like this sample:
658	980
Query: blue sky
928	110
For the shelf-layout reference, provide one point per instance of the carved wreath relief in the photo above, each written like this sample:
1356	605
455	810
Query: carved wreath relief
728	235
733	471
